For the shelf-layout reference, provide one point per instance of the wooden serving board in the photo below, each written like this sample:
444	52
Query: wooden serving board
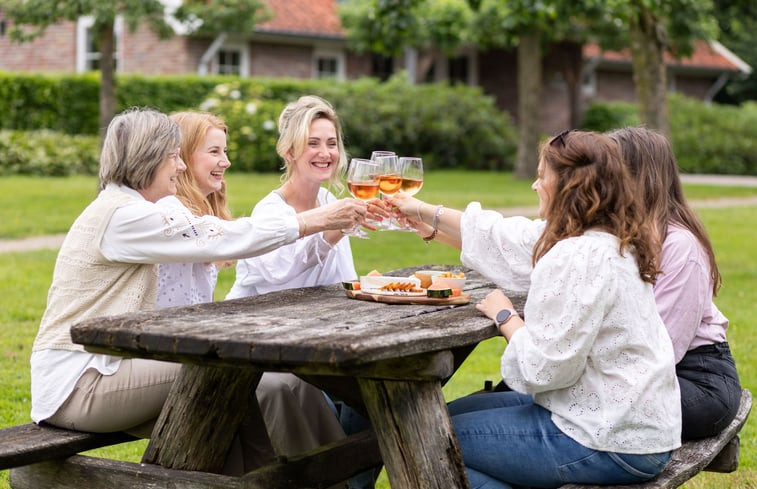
405	299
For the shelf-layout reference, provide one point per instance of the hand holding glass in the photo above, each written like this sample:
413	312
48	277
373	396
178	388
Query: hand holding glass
390	181
411	168
363	184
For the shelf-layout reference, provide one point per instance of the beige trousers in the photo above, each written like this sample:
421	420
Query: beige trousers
296	414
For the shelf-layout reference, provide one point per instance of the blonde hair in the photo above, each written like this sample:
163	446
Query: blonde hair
294	131
194	128
136	144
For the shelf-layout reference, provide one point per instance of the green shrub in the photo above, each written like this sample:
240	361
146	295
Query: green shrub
712	138
447	126
707	138
47	153
606	116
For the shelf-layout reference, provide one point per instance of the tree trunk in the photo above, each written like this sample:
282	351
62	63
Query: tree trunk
647	47
529	104
107	77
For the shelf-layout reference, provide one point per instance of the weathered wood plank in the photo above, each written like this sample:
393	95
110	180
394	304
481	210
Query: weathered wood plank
31	443
319	468
199	420
271	331
80	472
415	434
693	456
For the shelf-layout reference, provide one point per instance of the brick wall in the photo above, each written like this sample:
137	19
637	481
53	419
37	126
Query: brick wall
54	51
278	60
145	53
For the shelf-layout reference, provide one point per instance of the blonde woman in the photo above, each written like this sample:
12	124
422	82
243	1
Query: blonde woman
107	265
297	414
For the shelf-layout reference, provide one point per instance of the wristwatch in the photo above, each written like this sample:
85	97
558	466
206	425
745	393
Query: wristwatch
504	316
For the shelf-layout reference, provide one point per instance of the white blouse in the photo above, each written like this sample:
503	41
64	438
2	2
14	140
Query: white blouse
308	262
593	351
143	232
182	284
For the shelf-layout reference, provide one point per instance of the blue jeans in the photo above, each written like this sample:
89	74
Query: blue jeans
507	441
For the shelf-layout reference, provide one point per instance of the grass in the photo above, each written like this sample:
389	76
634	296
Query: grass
35	206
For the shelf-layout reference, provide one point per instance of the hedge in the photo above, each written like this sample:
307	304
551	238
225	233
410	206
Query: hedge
706	138
449	126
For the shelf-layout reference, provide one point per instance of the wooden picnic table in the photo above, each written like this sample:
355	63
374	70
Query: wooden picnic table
386	360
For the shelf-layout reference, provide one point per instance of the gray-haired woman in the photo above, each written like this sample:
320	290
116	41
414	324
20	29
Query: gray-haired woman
107	265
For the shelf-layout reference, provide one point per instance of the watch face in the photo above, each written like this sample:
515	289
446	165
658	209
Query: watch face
503	316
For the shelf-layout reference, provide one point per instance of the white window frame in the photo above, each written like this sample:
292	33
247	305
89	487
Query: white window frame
319	54
589	83
83	31
244	57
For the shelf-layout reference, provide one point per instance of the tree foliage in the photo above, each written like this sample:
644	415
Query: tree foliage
30	19
738	31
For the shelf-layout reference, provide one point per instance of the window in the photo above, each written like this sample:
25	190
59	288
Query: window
232	58
459	70
589	82
382	67
88	44
328	67
328	64
229	62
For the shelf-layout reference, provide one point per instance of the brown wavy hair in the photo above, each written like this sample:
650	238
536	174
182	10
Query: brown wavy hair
653	165
594	190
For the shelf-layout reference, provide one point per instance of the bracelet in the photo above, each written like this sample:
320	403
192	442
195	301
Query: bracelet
435	225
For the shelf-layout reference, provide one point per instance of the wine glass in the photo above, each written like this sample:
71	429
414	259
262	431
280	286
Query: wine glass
363	184
390	181
412	181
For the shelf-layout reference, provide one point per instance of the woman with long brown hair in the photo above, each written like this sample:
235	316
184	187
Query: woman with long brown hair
689	279
594	395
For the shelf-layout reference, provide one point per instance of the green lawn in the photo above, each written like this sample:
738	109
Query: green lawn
33	206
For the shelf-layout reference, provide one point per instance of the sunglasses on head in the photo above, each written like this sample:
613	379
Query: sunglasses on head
560	138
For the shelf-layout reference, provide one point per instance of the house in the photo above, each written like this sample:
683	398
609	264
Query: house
305	39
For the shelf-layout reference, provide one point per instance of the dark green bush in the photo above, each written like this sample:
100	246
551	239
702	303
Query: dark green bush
447	126
707	138
47	153
711	138
606	116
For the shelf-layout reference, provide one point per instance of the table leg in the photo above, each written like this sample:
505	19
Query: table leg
203	412
414	431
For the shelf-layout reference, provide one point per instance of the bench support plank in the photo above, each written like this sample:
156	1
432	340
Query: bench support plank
419	449
201	440
31	443
319	468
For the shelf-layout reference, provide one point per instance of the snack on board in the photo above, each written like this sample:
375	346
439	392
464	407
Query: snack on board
438	291
351	285
401	287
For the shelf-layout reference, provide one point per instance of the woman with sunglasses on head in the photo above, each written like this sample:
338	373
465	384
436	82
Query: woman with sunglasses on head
710	387
595	398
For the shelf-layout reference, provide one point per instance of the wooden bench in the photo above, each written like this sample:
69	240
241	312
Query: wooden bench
320	468
715	454
30	443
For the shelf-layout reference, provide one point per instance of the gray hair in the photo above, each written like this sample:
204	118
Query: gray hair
136	143
294	131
